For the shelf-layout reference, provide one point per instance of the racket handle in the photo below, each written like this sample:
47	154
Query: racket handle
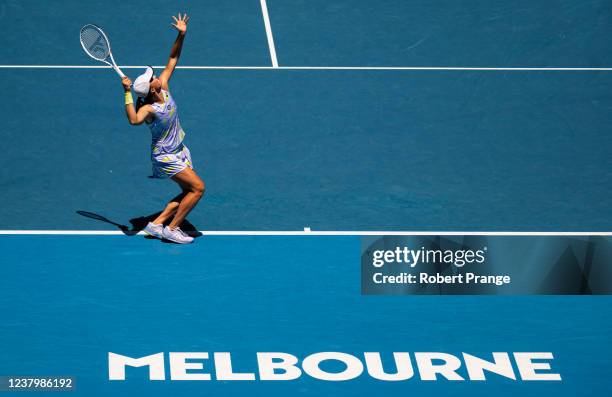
119	72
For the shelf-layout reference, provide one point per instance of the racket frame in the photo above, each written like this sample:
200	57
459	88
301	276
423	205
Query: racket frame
110	52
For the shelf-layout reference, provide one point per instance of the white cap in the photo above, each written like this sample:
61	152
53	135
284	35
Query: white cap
142	82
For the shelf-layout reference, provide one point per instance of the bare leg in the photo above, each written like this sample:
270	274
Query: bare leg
194	188
170	209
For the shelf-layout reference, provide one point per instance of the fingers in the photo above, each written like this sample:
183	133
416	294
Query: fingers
183	18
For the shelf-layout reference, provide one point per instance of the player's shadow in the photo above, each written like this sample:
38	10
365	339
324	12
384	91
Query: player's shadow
139	223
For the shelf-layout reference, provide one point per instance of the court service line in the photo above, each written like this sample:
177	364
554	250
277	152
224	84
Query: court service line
311	233
266	18
338	68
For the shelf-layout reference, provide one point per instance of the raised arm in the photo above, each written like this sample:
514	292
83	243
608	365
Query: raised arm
134	117
180	24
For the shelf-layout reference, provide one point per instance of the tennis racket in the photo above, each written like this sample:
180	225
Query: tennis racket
96	45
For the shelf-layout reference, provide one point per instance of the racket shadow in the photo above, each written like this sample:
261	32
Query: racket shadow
138	224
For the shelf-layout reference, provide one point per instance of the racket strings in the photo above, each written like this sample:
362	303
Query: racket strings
95	43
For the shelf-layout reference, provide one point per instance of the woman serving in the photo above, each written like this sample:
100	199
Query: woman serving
170	157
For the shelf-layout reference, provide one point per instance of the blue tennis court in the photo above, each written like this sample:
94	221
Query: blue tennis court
380	117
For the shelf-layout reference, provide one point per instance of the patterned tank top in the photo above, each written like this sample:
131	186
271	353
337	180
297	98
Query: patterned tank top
166	132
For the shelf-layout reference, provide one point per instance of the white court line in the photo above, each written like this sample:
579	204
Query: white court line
364	68
311	233
266	17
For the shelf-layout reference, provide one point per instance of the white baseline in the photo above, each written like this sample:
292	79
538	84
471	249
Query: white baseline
313	233
339	68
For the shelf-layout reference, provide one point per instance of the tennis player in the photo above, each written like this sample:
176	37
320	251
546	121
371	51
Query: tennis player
170	157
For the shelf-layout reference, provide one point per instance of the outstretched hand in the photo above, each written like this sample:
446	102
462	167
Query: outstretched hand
180	23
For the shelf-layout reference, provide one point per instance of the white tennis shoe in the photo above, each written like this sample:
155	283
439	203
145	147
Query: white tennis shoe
154	230
176	235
